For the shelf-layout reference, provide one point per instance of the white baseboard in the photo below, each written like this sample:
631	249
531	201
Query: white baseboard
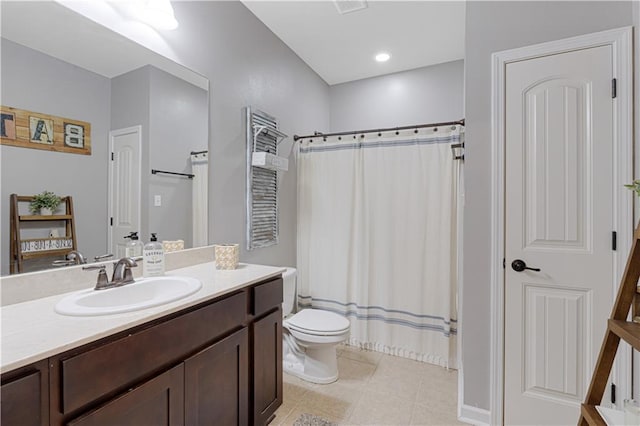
474	415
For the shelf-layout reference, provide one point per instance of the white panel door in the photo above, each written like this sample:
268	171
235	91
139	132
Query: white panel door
124	183
559	167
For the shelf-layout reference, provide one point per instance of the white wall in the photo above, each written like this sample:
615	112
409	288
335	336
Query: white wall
492	27
423	95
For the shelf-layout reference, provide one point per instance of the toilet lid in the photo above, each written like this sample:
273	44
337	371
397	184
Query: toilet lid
317	321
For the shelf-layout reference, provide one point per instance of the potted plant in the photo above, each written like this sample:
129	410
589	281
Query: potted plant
44	203
635	187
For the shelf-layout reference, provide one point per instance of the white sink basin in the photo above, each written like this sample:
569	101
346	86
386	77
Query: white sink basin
143	293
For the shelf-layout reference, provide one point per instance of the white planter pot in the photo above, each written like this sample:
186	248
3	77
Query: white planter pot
45	211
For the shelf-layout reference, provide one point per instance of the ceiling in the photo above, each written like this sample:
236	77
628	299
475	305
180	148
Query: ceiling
58	31
341	47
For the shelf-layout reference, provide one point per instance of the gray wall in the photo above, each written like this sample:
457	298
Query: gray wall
492	27
178	125
40	83
174	117
130	107
247	64
636	82
424	95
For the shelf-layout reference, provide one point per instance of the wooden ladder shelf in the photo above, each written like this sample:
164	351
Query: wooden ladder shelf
618	328
50	246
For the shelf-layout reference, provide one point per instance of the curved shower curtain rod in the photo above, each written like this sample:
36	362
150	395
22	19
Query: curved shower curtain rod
389	129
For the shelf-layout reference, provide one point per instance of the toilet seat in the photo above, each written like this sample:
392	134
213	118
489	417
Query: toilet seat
317	322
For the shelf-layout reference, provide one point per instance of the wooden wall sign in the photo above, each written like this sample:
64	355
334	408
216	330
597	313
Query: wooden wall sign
29	129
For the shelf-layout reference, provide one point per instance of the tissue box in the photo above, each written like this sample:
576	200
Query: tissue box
227	255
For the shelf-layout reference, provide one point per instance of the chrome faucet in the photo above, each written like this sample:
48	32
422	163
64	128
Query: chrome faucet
121	273
76	257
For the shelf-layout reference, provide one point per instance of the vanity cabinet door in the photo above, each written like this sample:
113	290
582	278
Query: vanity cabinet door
24	396
159	401
267	370
217	383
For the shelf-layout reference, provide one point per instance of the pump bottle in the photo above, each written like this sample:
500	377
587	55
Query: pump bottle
134	247
153	258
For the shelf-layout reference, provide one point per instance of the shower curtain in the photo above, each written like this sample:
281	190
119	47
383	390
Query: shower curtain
377	238
200	198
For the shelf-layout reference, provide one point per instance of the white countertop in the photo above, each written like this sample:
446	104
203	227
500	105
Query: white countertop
32	330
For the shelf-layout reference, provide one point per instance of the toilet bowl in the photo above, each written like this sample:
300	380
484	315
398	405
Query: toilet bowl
310	337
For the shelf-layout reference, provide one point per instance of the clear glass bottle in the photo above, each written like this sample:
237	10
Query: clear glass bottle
153	258
134	246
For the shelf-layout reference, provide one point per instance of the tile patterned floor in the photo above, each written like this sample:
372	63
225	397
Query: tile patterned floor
375	389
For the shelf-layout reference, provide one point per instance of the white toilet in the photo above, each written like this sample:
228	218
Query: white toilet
310	337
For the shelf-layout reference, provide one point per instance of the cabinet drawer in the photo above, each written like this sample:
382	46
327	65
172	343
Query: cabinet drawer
266	297
114	366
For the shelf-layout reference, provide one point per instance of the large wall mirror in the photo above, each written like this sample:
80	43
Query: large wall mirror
58	63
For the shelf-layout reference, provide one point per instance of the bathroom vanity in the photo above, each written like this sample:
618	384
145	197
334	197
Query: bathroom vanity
215	358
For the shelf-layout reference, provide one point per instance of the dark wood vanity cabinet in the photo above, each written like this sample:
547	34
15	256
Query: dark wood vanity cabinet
219	362
217	383
24	396
267	366
158	401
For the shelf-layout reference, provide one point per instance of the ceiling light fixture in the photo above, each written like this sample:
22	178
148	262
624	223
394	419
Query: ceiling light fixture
159	14
382	57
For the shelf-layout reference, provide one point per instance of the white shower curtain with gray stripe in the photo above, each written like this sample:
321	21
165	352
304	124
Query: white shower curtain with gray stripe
200	199
377	238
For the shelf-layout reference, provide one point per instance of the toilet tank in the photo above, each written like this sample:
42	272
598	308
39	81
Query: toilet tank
290	292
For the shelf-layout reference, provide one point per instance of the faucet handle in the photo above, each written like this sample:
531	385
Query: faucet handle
103	281
93	267
102	257
61	262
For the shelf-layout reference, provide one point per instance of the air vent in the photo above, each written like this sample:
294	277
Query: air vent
348	6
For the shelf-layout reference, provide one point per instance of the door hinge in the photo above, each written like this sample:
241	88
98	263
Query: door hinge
614	240
614	88
112	157
504	263
613	393
111	221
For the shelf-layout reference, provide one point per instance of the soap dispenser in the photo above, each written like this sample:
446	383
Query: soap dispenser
134	246
153	261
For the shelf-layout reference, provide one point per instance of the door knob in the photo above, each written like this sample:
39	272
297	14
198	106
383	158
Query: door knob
519	266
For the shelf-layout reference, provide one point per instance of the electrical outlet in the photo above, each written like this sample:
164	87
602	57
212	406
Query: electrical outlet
157	200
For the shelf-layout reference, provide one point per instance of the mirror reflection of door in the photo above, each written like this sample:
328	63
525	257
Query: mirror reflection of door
124	186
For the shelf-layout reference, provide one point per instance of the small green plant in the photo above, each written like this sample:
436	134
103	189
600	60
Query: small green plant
635	187
44	200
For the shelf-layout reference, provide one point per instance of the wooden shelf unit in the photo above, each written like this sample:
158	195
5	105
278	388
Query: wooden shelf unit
17	256
617	328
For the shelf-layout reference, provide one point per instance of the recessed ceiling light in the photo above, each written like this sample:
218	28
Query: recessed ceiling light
348	6
159	14
382	57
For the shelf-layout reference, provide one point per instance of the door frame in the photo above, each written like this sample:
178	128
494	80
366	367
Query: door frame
620	40
118	132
